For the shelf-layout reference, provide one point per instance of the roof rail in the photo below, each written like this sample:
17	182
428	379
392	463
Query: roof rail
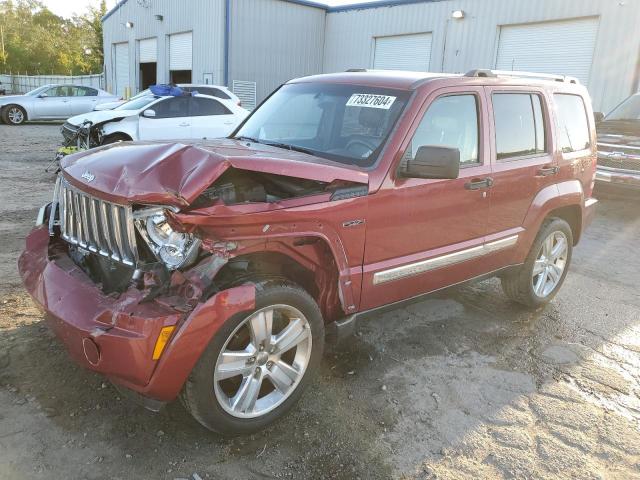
480	72
356	70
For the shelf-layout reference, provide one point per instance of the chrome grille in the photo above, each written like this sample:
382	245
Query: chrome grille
96	225
69	131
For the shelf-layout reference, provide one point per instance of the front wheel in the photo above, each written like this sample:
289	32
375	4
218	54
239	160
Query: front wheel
257	365
545	268
14	115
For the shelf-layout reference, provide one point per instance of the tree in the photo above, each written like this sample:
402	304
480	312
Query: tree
34	40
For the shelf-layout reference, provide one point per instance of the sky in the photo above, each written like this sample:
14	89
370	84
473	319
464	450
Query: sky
66	8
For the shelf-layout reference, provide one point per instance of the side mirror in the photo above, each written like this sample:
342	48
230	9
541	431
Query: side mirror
433	162
598	116
43	95
149	113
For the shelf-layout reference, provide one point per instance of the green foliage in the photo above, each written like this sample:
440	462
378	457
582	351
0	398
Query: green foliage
35	41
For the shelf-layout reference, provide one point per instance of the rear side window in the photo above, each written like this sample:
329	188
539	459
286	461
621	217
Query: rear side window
573	127
450	121
201	107
519	125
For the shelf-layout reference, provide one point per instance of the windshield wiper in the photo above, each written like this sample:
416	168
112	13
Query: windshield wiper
250	139
287	146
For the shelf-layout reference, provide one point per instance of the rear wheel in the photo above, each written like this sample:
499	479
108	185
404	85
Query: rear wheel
546	266
14	115
256	367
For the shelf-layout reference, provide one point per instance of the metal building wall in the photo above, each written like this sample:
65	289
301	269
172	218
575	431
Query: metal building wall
472	42
205	18
272	41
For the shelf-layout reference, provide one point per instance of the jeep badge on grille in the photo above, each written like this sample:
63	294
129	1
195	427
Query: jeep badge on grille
88	176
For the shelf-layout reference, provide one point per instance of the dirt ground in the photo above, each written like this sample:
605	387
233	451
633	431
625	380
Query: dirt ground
462	385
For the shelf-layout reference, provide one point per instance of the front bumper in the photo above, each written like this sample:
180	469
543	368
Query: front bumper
618	177
116	336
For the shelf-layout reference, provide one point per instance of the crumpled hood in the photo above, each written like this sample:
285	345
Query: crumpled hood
177	173
101	116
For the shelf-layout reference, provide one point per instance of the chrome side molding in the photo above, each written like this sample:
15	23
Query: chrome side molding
423	266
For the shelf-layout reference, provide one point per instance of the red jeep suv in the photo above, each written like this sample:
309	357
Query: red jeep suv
211	270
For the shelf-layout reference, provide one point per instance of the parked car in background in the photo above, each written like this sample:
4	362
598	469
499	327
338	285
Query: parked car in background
619	146
151	117
210	271
205	89
52	102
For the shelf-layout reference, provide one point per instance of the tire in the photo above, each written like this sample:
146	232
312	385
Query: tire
537	289
14	115
116	137
210	398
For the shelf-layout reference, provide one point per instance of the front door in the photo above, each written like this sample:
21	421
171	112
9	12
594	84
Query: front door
53	103
423	234
170	122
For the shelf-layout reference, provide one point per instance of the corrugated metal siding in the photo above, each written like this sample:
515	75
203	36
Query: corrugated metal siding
273	41
121	53
473	41
205	18
403	52
563	47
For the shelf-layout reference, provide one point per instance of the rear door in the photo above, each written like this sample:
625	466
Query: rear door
171	120
83	100
210	118
522	155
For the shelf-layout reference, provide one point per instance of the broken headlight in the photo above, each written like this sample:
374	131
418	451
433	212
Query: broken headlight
174	249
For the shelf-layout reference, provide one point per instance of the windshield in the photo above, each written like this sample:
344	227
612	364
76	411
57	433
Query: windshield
344	123
627	110
137	103
38	90
143	93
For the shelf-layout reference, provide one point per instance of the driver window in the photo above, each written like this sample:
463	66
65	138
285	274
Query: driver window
55	92
450	121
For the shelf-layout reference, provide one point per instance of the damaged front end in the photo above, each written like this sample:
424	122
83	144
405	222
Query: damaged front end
147	249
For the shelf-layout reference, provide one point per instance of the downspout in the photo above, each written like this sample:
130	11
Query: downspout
227	31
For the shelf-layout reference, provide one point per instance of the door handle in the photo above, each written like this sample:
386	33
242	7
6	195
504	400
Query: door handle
183	125
478	183
546	171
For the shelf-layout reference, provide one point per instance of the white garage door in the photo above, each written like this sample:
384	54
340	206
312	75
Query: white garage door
121	52
565	48
403	52
148	50
180	51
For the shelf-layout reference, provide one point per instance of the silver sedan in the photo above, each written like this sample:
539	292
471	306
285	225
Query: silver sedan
52	102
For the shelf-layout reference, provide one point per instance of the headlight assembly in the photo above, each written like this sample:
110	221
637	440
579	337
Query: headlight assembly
174	249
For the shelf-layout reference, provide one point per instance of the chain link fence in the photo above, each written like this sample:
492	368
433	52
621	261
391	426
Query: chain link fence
16	84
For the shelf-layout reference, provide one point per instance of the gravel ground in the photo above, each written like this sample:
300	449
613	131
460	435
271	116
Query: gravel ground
462	385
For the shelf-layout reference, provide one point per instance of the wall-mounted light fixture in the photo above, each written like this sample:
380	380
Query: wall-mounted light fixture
159	18
129	24
457	14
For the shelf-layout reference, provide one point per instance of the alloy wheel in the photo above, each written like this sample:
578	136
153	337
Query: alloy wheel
15	115
550	264
263	361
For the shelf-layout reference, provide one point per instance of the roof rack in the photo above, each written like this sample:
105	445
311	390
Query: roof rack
508	73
